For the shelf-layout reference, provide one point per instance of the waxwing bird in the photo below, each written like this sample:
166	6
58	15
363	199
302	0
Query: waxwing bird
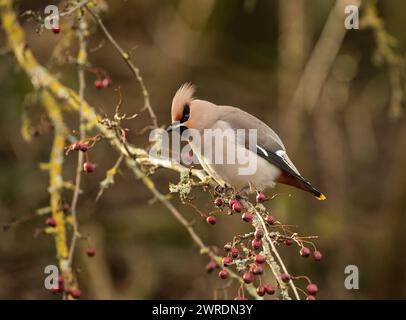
272	162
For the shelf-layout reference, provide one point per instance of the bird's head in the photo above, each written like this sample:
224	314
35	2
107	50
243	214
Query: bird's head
182	108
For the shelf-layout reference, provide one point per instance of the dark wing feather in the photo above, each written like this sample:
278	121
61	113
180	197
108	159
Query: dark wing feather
290	175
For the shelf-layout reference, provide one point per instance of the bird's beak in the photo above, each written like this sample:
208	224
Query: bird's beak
176	126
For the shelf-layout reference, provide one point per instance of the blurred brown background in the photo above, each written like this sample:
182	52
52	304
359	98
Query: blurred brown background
247	53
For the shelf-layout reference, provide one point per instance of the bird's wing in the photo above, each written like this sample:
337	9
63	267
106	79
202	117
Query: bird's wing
268	146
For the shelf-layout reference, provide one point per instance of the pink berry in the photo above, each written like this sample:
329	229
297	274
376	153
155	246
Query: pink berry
76	293
83	147
88	167
98	84
76	146
106	82
236	207
259	259
56	289
90	251
312	288
260	197
270	220
223	274
211	266
235	252
261	291
269	289
259	233
248	277
232	202
310	297
218	202
247	217
211	220
227	261
51	222
305	252
317	255
285	277
288	242
56	30
256	244
257	269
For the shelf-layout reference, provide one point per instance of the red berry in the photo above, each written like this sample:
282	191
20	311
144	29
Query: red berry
260	197
56	30
211	266
56	289
261	291
98	84
288	242
312	288
90	251
317	255
235	252
256	244
231	202
83	147
76	146
305	252
248	277
269	289
247	217
211	220
218	202
236	207
310	298
75	293
285	277
259	233
227	261
106	82
61	281
223	274
51	222
88	166
259	259
257	269
270	220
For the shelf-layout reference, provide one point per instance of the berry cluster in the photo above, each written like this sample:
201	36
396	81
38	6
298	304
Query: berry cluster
103	83
84	147
246	253
63	287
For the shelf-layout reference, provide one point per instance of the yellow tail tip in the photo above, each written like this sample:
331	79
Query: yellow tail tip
321	197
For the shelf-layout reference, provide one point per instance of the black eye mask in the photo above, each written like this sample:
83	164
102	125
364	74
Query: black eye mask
185	114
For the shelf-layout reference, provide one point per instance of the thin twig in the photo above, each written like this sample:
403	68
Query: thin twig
82	58
127	59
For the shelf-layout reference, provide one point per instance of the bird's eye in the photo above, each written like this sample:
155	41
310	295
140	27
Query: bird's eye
185	114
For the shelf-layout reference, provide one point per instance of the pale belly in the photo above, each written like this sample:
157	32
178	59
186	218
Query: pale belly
249	169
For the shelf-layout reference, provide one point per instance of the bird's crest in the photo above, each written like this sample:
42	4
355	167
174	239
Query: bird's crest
183	96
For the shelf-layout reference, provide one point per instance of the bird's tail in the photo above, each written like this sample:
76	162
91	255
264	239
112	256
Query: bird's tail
317	194
301	183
